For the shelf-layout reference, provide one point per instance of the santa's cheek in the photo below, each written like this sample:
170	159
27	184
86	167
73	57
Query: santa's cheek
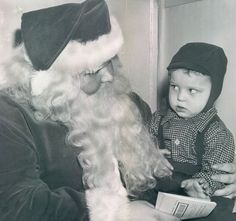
90	85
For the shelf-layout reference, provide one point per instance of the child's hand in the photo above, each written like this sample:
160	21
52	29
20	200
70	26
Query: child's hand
198	188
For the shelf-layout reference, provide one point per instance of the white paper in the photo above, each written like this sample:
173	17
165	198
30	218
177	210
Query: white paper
184	207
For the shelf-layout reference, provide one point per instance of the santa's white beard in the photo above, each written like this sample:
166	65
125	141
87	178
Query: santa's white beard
96	128
104	125
107	128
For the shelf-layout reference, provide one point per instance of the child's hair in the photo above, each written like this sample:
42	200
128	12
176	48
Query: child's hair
186	71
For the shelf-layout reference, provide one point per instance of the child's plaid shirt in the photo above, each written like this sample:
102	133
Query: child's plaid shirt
180	138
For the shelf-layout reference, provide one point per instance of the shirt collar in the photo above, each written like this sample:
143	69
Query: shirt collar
170	114
200	121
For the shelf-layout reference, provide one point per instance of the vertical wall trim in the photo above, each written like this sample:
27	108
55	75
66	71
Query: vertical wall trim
161	41
153	22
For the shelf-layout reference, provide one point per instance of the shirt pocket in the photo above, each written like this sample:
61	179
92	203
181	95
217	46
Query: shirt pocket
184	148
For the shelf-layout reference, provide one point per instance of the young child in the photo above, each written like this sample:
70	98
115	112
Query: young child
190	129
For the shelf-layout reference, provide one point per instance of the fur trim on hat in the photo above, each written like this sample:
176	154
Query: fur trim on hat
78	57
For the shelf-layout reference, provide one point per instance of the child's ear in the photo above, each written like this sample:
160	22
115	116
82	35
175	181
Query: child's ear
17	38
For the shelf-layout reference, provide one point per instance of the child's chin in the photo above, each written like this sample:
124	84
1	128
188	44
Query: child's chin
183	115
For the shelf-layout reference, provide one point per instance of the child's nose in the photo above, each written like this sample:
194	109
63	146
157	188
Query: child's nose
181	95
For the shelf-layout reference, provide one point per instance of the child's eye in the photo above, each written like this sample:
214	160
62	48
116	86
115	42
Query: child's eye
174	87
192	91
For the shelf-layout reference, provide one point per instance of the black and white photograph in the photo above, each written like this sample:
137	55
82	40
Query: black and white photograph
117	110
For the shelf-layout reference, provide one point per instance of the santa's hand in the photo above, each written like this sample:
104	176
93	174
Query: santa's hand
229	179
163	166
141	210
196	188
165	152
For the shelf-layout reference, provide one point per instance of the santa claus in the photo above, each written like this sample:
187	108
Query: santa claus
69	124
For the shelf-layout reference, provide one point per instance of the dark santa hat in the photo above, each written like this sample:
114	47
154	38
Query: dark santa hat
205	58
95	36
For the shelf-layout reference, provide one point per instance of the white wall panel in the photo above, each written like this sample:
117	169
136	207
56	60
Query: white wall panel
138	20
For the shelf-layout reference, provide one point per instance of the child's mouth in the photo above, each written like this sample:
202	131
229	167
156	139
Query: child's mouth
180	108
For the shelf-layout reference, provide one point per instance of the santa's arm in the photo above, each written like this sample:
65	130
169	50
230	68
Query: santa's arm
109	201
106	204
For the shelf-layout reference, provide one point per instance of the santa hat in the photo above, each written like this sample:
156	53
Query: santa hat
83	34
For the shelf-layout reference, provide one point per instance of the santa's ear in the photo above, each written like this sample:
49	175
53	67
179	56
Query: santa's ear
17	38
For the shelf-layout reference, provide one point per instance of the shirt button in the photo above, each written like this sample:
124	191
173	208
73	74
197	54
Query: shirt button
177	142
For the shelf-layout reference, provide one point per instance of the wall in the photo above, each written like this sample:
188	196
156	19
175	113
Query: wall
211	21
171	3
138	20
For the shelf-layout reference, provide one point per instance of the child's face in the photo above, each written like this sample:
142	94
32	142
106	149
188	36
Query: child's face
188	92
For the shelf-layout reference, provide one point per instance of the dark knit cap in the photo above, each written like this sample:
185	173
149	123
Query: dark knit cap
46	32
205	58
